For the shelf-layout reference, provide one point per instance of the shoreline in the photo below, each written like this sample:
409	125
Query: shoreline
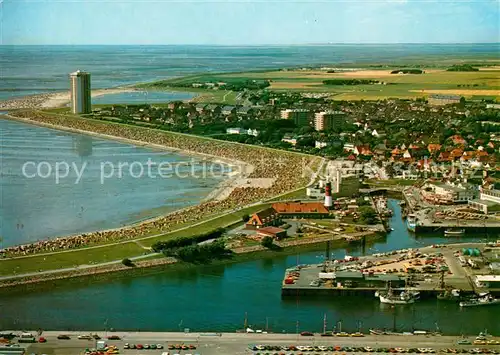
155	265
254	165
55	99
242	169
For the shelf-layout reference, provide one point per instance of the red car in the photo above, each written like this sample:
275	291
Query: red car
140	346
42	340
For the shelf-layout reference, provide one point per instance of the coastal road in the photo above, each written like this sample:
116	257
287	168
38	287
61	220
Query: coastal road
211	343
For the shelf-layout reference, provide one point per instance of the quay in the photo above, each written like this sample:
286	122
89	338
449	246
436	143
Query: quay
239	343
429	270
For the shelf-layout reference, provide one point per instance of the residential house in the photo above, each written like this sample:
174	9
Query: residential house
362	150
457	140
228	110
319	144
289	139
236	131
434	148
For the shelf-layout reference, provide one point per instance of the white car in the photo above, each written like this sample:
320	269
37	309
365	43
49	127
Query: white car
85	337
159	346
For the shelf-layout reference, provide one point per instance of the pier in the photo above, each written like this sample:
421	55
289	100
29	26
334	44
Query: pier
429	270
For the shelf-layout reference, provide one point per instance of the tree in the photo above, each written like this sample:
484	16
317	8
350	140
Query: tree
127	262
368	215
267	242
245	218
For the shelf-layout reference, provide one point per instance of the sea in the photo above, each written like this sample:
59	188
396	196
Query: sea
205	298
28	70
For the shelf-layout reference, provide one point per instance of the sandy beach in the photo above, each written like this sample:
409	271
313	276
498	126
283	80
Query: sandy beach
54	100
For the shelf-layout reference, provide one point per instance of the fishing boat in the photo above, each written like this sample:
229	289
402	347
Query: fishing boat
389	297
484	299
411	222
450	295
454	232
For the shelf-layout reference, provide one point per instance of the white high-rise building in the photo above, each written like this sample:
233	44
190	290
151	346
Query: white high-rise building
80	92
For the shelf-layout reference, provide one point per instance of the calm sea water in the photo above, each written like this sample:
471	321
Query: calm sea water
29	70
215	298
141	97
33	208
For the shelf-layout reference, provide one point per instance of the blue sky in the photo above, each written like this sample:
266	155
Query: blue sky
248	22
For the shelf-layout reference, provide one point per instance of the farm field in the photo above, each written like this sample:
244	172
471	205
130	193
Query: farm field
484	83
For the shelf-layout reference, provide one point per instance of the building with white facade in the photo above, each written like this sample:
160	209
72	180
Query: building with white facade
80	92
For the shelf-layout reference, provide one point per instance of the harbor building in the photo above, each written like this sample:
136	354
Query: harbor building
328	119
488	281
441	193
299	116
80	92
488	202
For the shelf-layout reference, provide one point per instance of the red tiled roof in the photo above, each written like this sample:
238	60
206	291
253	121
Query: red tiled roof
299	207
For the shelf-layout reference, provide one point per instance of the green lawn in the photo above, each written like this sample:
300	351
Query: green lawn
391	182
115	252
67	260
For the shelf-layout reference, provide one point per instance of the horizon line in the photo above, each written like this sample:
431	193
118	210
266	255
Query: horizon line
255	45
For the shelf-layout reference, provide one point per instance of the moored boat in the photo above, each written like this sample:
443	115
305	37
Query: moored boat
454	232
483	300
411	222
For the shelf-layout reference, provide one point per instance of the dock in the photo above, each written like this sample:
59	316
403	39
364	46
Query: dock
429	270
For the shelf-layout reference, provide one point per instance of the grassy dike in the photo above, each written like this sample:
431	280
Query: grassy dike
126	249
174	268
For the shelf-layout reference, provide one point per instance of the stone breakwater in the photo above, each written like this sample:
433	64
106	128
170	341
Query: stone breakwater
289	171
86	272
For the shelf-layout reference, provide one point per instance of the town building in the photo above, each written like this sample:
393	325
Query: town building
273	232
328	119
264	218
439	100
301	209
299	116
80	92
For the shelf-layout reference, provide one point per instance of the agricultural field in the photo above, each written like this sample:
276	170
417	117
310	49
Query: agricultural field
483	83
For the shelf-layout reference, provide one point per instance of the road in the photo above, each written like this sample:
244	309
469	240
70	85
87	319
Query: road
234	343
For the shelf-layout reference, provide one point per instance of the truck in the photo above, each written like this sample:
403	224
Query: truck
101	345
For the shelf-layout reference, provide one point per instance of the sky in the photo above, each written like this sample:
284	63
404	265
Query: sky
246	22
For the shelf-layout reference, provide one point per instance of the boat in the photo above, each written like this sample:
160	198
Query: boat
454	232
389	297
377	332
411	222
484	299
453	295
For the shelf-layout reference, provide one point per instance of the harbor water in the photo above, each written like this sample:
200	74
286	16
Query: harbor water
216	298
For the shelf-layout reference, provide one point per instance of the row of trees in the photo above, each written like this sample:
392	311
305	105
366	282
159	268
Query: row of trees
201	253
176	243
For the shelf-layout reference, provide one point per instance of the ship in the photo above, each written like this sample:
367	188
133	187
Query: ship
453	295
484	299
454	232
411	222
405	297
